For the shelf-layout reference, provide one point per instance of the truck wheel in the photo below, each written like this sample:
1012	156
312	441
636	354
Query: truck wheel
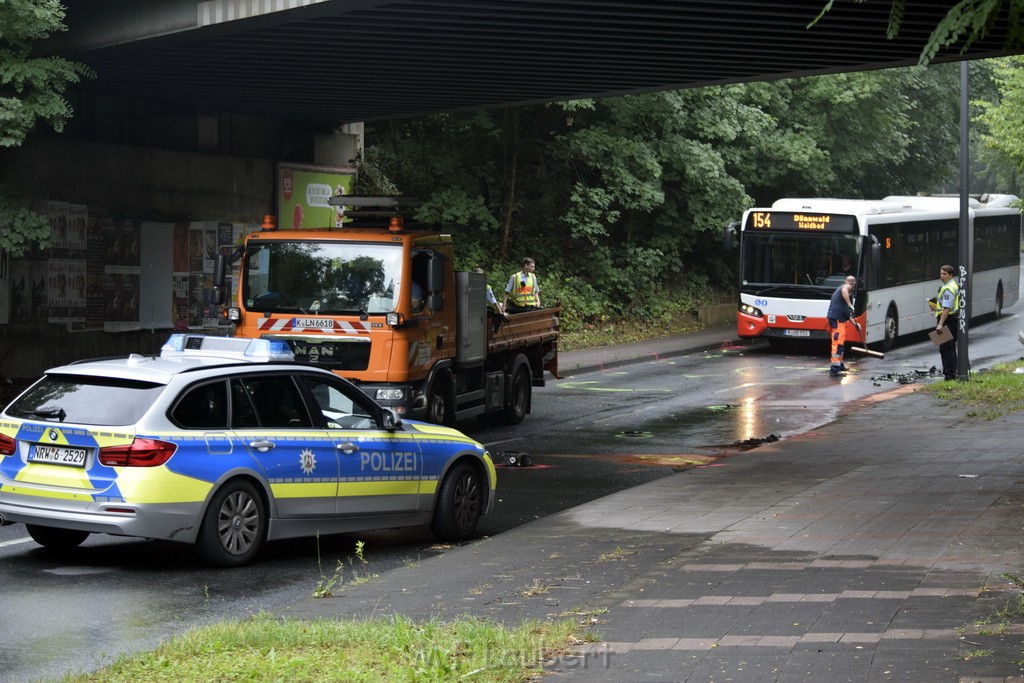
440	404
234	526
519	397
460	503
56	539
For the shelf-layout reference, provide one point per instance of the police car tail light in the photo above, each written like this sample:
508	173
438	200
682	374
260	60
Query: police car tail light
139	453
7	445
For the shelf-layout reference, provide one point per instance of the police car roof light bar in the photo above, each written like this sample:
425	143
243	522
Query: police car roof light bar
201	345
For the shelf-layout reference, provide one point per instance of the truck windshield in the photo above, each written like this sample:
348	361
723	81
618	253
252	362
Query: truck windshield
321	277
787	259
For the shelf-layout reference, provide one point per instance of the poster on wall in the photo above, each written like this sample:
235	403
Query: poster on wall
66	286
179	301
121	281
303	191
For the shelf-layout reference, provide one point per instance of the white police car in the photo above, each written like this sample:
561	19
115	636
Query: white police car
226	443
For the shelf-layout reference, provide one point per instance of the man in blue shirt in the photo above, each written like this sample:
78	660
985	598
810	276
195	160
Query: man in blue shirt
840	312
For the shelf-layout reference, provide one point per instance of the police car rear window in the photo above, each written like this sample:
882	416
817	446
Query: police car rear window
81	399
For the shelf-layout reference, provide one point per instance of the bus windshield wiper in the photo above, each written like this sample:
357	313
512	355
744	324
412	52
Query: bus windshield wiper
50	414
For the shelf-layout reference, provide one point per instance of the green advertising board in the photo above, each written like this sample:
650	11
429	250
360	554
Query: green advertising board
302	195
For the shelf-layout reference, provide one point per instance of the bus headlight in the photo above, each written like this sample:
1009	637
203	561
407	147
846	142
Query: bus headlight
750	310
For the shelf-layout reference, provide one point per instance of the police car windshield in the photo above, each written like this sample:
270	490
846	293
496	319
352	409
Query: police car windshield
321	277
81	399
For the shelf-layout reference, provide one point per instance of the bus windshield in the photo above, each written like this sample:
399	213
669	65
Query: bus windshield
801	259
322	277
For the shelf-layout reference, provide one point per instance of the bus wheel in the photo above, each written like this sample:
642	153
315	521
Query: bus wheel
440	403
892	328
998	313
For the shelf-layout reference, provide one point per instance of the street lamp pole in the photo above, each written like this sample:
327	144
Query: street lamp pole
963	364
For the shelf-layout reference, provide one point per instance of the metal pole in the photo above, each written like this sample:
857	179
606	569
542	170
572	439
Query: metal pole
963	364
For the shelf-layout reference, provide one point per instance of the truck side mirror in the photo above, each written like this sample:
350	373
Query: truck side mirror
219	270
435	274
220	267
435	302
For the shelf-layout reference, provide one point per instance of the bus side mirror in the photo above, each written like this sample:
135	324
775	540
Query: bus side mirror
729	236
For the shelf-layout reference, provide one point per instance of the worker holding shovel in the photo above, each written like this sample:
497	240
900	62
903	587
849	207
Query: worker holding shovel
840	312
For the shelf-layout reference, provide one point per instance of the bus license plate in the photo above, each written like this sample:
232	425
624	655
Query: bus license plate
797	333
57	455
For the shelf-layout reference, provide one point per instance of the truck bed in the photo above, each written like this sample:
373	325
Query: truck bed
518	330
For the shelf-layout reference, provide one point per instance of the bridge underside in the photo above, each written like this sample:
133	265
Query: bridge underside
328	62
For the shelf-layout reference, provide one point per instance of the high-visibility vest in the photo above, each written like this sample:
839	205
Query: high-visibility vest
954	289
524	290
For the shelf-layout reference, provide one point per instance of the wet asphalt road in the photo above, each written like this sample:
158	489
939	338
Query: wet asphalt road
590	435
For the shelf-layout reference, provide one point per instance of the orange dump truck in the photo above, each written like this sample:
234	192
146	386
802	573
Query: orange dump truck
383	306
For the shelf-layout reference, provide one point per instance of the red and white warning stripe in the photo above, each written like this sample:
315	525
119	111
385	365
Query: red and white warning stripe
288	325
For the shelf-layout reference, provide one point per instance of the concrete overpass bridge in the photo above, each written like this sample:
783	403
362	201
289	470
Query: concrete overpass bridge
197	103
330	62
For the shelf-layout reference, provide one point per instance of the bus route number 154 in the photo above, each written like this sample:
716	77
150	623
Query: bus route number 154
761	219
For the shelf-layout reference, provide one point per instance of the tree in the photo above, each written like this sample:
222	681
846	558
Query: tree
622	200
31	90
966	22
1002	121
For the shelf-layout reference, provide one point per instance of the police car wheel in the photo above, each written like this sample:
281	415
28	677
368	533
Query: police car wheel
459	505
56	539
234	527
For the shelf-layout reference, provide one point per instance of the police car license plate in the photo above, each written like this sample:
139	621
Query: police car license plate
57	455
797	333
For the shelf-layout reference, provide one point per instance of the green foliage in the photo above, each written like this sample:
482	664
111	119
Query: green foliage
31	90
1002	116
631	194
33	87
22	228
966	22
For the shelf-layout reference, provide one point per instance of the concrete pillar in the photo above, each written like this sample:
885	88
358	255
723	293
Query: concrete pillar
341	148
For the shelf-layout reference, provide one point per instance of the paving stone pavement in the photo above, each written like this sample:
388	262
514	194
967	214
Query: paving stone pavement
884	546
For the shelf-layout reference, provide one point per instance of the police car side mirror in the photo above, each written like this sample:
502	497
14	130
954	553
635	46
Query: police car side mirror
389	419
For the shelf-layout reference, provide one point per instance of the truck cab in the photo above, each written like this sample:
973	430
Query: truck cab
383	306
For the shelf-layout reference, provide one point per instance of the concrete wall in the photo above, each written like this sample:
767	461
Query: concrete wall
146	184
149	183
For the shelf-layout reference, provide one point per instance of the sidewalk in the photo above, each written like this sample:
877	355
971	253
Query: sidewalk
869	549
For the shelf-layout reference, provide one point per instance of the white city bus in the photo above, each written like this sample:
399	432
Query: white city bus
791	261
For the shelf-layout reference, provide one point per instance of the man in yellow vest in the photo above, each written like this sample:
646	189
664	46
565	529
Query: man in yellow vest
947	313
523	288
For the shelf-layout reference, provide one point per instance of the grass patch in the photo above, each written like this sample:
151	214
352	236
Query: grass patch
989	394
614	332
267	649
